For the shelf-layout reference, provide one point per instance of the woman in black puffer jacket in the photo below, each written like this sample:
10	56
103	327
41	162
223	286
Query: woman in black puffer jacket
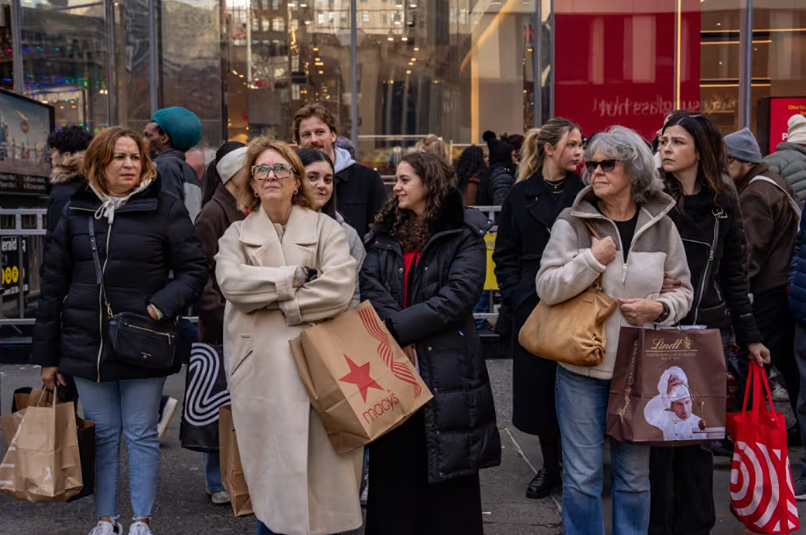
709	220
152	264
424	272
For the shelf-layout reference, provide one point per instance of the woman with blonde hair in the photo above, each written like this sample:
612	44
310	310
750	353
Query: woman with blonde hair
283	269
546	186
126	243
434	144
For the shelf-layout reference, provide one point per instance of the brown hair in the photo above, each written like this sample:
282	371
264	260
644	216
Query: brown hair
710	146
533	152
247	202
101	151
438	178
316	109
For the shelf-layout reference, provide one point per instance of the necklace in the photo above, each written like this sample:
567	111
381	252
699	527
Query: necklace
556	184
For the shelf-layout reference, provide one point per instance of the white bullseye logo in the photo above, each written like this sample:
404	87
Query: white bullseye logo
754	488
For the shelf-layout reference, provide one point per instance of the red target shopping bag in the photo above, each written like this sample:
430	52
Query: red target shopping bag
761	492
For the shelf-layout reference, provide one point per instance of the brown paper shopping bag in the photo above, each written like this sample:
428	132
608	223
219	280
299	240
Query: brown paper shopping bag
359	380
231	469
43	462
668	387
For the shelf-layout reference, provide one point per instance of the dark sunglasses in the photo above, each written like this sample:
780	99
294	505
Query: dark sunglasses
606	165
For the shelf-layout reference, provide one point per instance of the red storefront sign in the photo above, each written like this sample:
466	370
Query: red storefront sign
781	109
615	62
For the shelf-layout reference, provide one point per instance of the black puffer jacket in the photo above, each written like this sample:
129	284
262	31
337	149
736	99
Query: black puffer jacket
151	235
713	236
461	430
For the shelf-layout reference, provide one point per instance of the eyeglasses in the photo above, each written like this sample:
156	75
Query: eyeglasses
606	165
281	171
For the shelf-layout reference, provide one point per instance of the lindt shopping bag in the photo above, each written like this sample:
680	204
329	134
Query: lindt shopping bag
668	387
231	470
762	496
43	462
359	380
205	393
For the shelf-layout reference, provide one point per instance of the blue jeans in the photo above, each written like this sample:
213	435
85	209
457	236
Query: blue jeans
581	412
130	407
212	473
263	530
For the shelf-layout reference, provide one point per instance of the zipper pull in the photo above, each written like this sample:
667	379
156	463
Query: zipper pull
711	256
624	273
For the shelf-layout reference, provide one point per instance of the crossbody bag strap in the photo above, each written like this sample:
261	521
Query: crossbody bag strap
599	282
99	275
792	202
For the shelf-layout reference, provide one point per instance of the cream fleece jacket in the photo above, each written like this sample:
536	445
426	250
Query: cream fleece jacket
568	266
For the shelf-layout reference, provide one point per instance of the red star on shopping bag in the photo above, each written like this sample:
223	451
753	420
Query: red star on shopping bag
359	376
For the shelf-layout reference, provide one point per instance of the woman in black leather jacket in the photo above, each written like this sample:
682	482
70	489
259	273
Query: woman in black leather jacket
709	220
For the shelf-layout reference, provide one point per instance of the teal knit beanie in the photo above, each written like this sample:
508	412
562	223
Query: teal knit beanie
181	125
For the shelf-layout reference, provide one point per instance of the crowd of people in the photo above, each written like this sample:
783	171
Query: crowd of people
693	229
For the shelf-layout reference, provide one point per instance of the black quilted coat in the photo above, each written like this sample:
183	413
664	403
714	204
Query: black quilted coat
461	431
150	237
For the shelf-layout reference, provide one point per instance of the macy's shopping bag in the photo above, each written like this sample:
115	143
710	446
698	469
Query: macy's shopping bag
231	469
762	496
43	461
668	387
205	393
359	380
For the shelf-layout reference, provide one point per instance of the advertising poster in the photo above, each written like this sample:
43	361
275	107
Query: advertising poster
781	109
24	158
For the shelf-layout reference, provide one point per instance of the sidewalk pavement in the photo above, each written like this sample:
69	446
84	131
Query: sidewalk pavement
183	508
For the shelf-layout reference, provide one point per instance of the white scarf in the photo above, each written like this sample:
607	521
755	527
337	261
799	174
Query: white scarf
109	204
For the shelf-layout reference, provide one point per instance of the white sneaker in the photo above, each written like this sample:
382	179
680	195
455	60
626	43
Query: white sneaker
219	498
107	528
167	410
140	528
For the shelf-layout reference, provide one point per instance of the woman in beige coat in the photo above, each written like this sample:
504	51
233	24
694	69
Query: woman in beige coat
283	269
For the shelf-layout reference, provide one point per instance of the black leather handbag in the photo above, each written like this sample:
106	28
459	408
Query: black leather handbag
135	339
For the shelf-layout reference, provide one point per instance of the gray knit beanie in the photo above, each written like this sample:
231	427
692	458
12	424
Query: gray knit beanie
742	145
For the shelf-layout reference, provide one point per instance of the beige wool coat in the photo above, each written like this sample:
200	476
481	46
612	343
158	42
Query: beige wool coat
298	485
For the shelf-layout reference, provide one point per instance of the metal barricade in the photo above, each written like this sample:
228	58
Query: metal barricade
22	242
490	285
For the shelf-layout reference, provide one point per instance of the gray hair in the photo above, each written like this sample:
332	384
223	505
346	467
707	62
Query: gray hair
621	143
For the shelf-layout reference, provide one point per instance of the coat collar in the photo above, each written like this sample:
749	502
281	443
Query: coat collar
69	170
143	201
537	202
758	169
224	198
258	228
652	211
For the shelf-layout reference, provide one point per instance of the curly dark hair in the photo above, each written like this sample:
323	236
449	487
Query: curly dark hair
70	139
437	176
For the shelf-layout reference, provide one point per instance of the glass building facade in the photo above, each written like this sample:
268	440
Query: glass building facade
393	71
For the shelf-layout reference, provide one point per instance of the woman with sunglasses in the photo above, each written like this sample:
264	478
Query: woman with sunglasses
709	220
282	269
546	185
626	205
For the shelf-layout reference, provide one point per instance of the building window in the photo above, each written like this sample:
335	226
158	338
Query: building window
278	25
320	18
275	5
343	19
365	15
383	17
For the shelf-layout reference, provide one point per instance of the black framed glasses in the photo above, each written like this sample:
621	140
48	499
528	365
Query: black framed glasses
281	171
606	165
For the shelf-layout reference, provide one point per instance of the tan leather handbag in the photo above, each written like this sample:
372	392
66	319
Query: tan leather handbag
572	332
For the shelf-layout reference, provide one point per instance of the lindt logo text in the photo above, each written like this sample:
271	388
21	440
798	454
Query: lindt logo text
660	344
386	404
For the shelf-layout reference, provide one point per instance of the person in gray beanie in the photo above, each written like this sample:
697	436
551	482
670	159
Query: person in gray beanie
771	215
789	158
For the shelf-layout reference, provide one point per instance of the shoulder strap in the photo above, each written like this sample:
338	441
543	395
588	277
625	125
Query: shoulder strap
592	227
795	206
99	275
